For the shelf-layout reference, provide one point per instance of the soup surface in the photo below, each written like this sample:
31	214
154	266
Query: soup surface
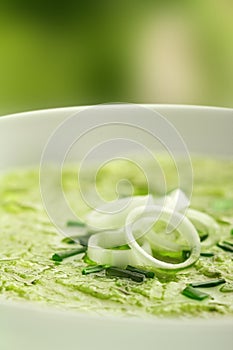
28	241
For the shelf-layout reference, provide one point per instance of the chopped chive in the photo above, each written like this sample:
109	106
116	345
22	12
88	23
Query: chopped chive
204	237
62	255
117	272
207	254
88	261
228	243
83	240
69	240
194	293
75	223
186	254
231	231
207	284
93	269
148	274
226	247
222	220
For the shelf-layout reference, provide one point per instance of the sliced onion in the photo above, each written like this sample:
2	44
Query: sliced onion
144	225
185	227
112	216
166	244
205	223
100	244
175	200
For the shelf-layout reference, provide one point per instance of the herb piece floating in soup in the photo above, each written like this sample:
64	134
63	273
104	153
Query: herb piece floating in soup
194	293
28	241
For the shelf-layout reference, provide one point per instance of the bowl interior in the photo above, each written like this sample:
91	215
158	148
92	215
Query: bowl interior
23	136
206	131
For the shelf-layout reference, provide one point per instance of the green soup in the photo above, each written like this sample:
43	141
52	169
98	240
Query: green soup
28	241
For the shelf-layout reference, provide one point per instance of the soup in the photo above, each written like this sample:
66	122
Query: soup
31	245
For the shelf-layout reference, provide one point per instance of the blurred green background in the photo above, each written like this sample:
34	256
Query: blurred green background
74	52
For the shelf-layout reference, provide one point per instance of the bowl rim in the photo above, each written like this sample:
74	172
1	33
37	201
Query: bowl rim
115	105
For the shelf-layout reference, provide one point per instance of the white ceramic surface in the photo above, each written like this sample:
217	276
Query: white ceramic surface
22	326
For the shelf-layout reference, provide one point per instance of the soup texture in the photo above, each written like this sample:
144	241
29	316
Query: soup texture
28	240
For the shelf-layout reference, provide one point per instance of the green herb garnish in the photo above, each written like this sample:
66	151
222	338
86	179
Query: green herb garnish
93	269
88	261
70	240
148	274
207	254
228	243
226	247
194	293
186	254
208	284
66	254
203	237
117	272
75	223
82	240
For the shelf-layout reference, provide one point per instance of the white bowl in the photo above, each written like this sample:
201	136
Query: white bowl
205	130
